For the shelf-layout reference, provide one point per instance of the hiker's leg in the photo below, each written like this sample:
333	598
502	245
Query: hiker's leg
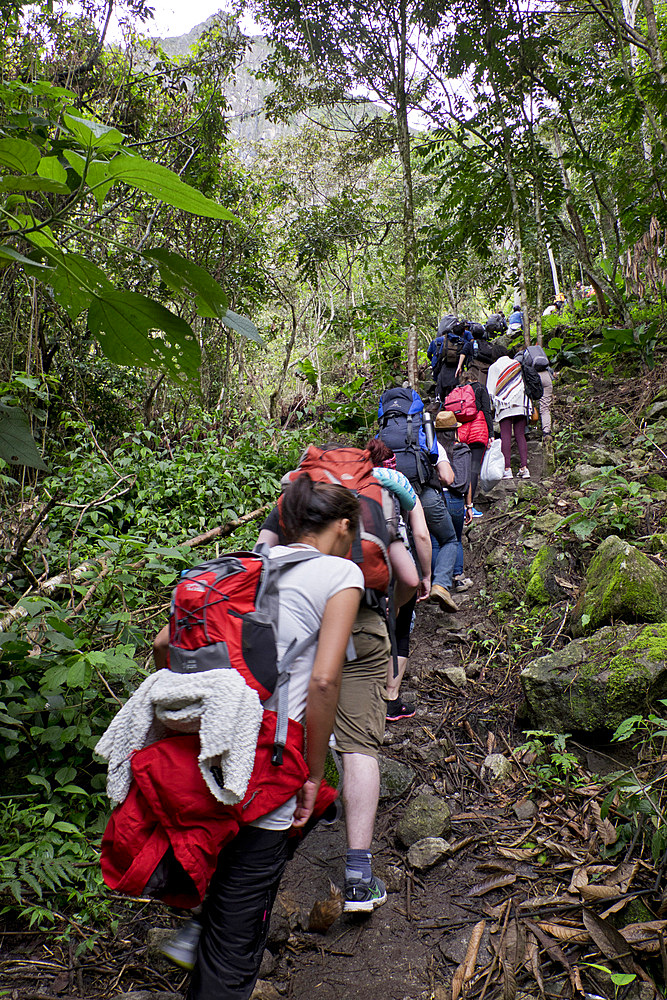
440	524
403	625
520	435
359	725
506	440
361	794
236	915
456	508
546	401
476	458
404	572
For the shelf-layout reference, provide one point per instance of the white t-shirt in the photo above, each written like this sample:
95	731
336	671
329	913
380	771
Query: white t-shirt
304	590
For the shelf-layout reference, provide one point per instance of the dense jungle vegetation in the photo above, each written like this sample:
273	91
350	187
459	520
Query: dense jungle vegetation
181	312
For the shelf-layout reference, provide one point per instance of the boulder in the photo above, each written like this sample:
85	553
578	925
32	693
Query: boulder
622	584
598	681
395	777
656	411
426	816
582	473
455	675
533	540
497	767
543	587
497	557
600	456
547	522
655	483
427	852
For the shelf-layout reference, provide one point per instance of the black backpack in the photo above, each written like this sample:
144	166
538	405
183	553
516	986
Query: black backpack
400	415
496	324
532	382
451	350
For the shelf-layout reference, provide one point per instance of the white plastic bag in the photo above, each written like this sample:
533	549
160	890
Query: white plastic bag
493	467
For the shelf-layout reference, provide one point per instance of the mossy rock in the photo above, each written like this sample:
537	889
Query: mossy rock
600	457
504	600
658	543
622	584
597	682
542	585
655	483
656	411
581	474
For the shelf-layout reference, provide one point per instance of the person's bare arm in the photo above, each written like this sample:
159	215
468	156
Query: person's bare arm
267	536
422	540
445	472
335	630
160	647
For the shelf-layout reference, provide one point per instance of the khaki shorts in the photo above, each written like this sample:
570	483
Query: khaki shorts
362	705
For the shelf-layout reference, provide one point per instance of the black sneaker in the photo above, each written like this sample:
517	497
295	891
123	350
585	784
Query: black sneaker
397	709
364	897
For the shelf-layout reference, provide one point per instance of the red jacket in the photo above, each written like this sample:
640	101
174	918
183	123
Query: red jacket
169	806
475	431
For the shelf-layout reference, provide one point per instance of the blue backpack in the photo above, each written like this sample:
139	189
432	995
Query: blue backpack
401	417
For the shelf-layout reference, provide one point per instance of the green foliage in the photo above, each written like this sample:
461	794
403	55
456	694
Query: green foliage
616	505
636	795
553	763
640	341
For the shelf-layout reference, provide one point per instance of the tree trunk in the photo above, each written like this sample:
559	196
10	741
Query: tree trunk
409	238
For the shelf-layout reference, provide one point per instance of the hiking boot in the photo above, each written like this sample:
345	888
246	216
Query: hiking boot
364	897
442	597
462	583
507	474
524	473
181	949
397	709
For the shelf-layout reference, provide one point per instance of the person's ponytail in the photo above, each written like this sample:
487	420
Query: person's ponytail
308	507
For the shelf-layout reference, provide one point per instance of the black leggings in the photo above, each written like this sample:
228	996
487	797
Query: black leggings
236	915
476	458
403	623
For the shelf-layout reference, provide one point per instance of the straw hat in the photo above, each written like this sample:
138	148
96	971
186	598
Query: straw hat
446	421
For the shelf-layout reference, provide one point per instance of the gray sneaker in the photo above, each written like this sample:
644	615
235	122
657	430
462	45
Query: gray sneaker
364	897
181	949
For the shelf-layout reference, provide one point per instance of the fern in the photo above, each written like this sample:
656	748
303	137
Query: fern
37	874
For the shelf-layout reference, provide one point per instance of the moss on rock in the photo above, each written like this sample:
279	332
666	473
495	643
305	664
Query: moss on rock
622	584
542	586
597	682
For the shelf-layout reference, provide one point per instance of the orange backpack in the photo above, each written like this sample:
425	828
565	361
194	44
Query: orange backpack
353	468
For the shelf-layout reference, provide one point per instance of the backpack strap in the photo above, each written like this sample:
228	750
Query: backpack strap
268	594
294	651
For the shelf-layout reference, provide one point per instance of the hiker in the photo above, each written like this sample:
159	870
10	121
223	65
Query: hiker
359	726
322	593
458	493
505	386
400	414
418	547
478	432
536	357
456	352
515	321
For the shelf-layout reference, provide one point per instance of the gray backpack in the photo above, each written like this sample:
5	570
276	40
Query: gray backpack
536	358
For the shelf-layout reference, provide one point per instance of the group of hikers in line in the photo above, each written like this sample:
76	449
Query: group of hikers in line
218	772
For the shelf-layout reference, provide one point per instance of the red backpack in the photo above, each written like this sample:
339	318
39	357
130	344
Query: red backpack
224	614
461	401
353	468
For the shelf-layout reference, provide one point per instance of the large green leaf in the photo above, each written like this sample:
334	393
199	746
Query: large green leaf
92	133
74	281
51	167
181	275
19	155
243	326
17	445
158	181
96	173
30	182
125	325
9	253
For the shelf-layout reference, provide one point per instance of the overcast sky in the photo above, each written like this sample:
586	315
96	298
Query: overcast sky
177	17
